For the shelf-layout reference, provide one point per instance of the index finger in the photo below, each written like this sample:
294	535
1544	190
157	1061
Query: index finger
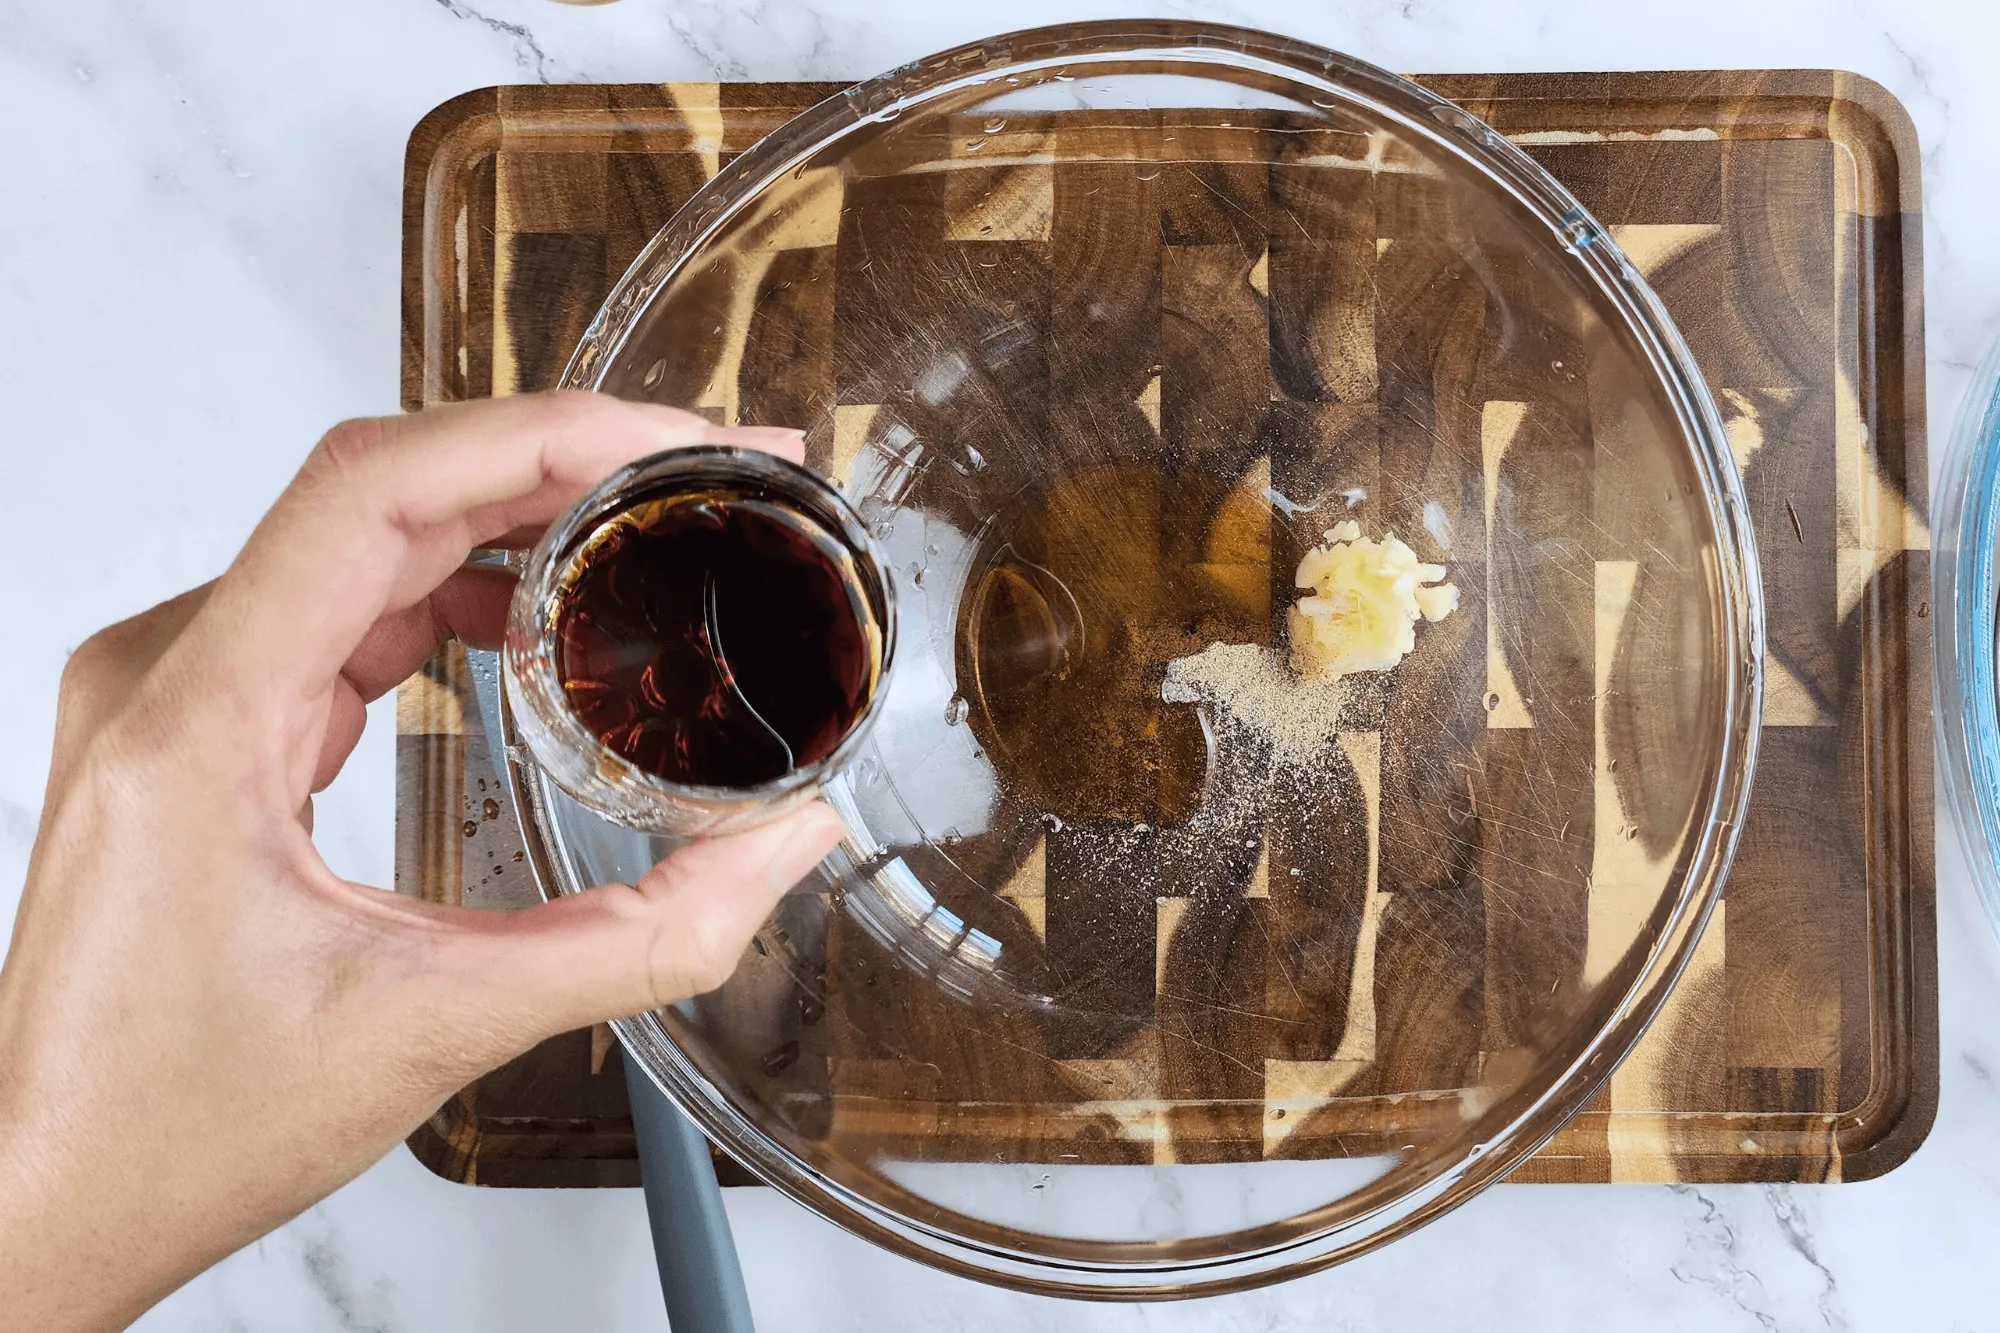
385	509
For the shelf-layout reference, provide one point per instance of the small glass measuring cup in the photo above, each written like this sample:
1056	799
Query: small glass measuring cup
548	725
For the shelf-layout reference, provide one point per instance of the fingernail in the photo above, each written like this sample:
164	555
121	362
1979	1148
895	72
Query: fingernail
800	842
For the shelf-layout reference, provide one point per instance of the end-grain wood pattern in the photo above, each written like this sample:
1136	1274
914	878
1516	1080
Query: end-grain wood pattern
1776	215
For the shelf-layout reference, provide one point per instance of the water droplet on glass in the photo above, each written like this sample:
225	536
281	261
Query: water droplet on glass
917	576
951	837
975	458
884	529
955	711
470	828
1151	174
1455	118
1055	824
654	373
994	125
490	808
1492	701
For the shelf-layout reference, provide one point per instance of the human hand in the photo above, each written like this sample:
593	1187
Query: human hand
203	1030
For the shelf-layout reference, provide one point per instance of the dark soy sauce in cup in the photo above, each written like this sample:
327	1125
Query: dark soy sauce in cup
716	637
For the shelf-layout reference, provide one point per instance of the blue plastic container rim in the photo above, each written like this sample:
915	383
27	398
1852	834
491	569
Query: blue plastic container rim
1968	702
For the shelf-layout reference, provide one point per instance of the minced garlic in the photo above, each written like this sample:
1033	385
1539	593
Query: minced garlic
1364	601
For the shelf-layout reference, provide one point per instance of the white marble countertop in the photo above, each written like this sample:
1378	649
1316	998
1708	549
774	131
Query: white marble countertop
199	232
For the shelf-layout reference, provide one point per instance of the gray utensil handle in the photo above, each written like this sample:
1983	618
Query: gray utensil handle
700	1275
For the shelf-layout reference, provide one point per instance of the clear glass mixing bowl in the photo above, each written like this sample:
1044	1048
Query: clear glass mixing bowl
1137	977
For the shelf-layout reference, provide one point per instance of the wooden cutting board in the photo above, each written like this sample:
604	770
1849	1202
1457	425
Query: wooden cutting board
1777	214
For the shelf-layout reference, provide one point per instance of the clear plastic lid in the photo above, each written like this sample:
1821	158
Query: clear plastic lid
1146	969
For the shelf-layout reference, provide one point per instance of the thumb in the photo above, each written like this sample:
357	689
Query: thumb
621	950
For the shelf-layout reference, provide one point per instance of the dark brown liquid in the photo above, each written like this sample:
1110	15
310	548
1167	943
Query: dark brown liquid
716	639
1083	591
